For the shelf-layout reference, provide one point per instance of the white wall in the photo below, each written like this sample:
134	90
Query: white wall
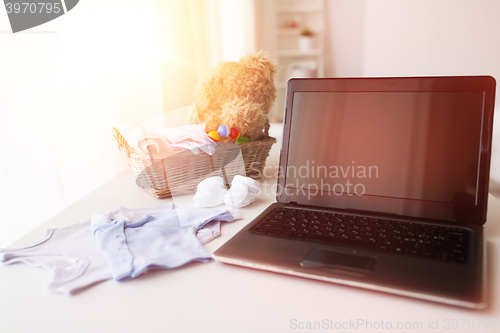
415	37
432	37
63	86
344	36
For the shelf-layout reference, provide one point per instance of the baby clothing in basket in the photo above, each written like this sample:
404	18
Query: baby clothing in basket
121	244
161	140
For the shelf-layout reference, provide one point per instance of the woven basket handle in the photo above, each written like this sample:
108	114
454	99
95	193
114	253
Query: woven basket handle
266	128
121	142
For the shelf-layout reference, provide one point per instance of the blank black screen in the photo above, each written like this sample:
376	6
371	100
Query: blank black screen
410	145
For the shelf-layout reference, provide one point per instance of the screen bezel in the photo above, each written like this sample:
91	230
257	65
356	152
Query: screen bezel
475	214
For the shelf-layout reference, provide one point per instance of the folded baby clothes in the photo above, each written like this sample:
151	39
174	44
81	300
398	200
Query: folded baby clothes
166	240
162	140
210	231
120	244
70	254
155	143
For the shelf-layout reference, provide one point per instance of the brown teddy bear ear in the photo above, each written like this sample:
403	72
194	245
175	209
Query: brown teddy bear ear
260	60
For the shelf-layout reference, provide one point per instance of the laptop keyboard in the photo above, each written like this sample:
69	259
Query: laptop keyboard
433	242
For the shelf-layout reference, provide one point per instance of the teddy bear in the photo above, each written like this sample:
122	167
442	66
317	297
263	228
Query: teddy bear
237	94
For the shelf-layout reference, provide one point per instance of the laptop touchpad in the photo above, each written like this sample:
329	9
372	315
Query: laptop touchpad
338	260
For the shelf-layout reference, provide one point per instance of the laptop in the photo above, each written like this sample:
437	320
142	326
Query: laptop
383	185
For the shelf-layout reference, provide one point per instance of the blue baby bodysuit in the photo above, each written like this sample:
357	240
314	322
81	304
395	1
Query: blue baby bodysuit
133	245
121	244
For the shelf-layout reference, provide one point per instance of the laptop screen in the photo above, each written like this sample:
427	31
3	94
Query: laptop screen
411	153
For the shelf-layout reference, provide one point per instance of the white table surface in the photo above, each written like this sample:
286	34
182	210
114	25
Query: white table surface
214	297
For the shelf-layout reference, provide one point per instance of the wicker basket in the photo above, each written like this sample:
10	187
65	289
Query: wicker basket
184	169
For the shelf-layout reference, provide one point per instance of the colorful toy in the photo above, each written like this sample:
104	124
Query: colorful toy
214	136
235	134
223	130
238	94
243	139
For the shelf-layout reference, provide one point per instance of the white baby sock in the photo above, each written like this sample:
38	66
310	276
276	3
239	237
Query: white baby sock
210	192
242	192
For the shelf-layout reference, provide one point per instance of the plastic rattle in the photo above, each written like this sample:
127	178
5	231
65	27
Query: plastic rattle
214	136
243	139
234	134
224	131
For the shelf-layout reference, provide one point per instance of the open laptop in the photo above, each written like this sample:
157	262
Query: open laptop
383	185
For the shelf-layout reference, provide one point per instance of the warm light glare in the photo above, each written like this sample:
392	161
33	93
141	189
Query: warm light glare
128	37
